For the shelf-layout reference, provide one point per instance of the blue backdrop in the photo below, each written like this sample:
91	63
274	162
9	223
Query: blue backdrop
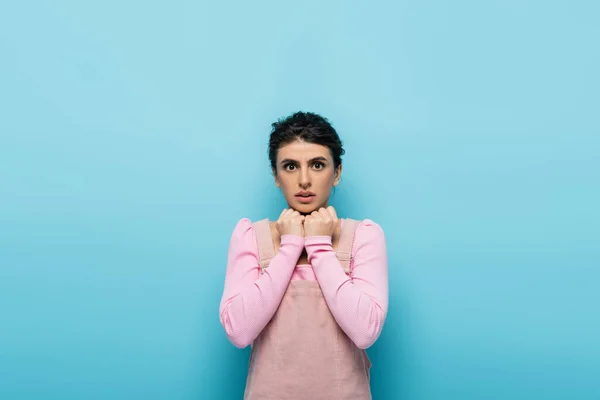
133	137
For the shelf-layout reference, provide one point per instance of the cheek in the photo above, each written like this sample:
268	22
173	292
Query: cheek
330	178
326	183
285	184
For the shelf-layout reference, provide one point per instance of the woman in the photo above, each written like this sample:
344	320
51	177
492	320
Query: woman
309	291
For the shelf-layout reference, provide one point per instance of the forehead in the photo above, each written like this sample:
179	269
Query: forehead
303	151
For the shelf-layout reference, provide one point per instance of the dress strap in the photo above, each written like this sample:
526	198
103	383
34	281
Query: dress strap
264	240
344	248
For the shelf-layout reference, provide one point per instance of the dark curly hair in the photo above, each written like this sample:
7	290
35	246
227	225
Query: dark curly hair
306	126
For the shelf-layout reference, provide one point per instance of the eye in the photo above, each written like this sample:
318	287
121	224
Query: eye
318	165
289	167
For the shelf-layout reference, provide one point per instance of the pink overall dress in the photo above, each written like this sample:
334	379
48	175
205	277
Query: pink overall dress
302	353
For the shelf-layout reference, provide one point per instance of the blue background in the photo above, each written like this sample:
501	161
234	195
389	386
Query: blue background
133	137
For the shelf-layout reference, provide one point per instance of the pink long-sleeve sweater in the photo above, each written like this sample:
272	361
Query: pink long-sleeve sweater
358	303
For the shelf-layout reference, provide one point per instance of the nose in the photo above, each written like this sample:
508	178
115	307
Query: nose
304	181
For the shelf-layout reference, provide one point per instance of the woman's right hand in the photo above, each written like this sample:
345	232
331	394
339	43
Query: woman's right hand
290	222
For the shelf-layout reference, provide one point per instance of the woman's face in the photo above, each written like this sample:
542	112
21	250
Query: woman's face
305	174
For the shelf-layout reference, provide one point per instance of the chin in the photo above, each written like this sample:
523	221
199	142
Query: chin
305	208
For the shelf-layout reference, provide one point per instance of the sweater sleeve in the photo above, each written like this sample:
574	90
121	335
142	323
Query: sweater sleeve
250	298
358	303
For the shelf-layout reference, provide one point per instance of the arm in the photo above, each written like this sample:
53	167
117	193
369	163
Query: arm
250	299
358	303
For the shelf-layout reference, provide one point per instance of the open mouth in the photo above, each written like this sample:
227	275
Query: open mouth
305	197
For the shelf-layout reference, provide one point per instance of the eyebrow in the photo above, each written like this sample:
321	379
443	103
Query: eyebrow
289	160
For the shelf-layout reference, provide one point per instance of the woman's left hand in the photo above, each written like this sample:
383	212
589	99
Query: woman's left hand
322	222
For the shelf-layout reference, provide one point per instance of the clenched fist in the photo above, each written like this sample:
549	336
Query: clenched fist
290	222
321	223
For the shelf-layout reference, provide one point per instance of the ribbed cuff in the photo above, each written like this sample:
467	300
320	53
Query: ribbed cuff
317	240
294	240
317	244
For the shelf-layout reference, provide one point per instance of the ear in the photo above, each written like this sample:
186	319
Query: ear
277	182
337	175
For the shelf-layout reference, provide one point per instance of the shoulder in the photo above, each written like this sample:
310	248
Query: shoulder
246	229
368	232
242	243
243	225
368	227
243	233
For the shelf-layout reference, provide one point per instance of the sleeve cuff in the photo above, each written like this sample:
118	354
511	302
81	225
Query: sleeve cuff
294	240
317	240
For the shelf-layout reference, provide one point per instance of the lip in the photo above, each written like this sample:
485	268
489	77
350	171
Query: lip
305	192
305	197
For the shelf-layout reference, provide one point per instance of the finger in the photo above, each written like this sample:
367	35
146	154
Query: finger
283	212
325	214
332	212
336	220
